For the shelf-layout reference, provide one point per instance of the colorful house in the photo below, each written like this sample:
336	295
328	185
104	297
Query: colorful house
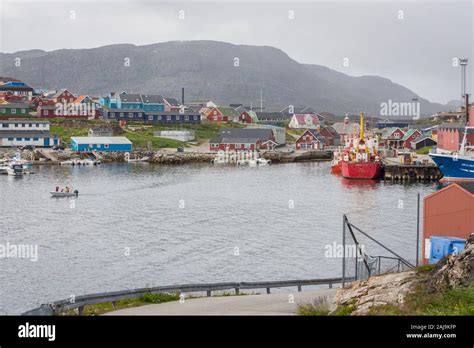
392	138
171	104
346	129
62	96
129	101
14	110
223	114
123	114
153	103
248	117
310	140
273	118
331	138
172	117
421	142
242	139
88	144
17	88
26	133
304	121
448	212
409	136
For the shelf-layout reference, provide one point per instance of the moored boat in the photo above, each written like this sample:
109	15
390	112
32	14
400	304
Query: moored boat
75	193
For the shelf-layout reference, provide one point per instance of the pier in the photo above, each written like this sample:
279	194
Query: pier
411	172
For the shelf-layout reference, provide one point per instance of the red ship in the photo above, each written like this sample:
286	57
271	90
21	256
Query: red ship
361	160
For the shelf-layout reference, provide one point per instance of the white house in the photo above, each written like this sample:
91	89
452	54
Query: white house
305	121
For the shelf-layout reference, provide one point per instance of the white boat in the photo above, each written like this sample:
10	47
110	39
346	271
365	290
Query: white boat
263	162
15	169
65	194
143	159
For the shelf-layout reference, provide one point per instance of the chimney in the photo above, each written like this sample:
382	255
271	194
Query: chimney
182	95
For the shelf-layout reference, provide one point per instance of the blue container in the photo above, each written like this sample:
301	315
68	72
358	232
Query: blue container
442	246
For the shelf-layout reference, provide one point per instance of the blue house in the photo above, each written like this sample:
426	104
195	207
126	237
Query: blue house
171	117
153	102
129	101
123	114
101	144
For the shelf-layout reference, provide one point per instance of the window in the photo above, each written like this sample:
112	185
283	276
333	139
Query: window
38	125
168	118
5	125
13	111
23	125
30	125
4	111
112	114
46	112
106	146
18	139
10	139
121	114
186	118
159	118
150	118
27	139
35	139
23	111
130	115
195	117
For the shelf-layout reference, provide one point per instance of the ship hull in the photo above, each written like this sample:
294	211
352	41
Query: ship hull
455	168
336	168
361	170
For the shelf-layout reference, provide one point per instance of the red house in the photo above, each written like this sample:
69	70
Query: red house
331	137
310	139
449	212
392	138
63	96
450	135
223	114
410	136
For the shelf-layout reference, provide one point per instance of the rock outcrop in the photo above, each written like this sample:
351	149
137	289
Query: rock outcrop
388	289
454	270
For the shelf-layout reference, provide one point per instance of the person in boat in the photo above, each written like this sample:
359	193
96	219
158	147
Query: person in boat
57	188
67	189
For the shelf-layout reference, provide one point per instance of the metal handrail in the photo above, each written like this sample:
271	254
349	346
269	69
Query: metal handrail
80	302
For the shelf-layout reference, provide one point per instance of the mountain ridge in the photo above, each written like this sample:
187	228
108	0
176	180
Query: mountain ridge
219	71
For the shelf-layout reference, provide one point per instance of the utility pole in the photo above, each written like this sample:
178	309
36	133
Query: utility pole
463	63
261	100
418	230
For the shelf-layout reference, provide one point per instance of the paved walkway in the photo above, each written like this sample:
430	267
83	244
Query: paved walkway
271	304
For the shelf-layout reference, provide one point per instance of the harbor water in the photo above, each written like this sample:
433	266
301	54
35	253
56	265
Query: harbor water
138	225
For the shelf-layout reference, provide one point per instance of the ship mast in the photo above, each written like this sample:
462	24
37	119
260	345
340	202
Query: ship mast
361	128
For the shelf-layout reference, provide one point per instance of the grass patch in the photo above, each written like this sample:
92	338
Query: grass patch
424	150
148	298
319	306
459	301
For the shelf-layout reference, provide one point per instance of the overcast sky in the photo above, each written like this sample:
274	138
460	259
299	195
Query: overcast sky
412	43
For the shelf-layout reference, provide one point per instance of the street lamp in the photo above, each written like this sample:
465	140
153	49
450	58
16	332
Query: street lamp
463	63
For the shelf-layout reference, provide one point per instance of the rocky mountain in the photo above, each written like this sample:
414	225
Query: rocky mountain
222	72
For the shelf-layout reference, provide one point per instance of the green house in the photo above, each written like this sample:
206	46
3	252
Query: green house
14	110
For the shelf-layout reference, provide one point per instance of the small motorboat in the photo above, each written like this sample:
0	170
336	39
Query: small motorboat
135	160
75	193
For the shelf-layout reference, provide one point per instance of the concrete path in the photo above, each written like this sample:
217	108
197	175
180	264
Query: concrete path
271	304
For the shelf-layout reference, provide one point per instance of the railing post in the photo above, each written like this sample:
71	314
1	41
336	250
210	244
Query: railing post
343	250
330	285
268	290
299	288
209	292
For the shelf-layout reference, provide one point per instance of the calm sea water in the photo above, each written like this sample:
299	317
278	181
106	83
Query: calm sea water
136	225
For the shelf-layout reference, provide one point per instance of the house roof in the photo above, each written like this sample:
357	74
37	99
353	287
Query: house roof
389	131
227	111
101	140
343	128
152	99
130	98
14	105
58	93
24	121
234	135
314	133
80	99
101	129
24	134
263	115
409	133
330	129
468	186
422	138
172	101
304	118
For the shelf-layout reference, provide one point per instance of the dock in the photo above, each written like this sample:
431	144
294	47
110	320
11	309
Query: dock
412	172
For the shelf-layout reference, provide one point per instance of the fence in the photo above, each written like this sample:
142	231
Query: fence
358	264
79	302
